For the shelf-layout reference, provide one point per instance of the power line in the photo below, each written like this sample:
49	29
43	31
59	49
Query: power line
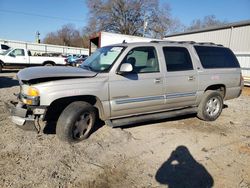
40	15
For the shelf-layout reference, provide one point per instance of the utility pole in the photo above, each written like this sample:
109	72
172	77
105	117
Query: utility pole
38	37
145	25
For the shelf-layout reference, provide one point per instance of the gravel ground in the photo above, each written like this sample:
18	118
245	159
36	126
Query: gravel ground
179	152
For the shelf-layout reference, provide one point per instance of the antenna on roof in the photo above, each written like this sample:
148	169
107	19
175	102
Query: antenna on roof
123	42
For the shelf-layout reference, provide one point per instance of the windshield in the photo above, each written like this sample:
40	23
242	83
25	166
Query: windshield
5	52
102	59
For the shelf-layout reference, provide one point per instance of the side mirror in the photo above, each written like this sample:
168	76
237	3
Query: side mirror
125	68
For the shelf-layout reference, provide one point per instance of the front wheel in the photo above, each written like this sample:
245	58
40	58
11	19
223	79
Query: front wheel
76	122
210	106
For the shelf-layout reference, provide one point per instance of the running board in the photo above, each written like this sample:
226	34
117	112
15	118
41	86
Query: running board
150	117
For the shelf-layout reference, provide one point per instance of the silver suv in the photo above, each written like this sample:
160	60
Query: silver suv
129	83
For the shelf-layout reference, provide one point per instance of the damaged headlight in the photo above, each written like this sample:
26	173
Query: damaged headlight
29	95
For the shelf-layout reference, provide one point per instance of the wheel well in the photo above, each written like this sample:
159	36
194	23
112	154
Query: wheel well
49	62
219	87
57	106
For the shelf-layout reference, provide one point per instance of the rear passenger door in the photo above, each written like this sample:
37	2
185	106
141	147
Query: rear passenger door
180	79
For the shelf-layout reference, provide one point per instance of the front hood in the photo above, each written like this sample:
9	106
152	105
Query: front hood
42	74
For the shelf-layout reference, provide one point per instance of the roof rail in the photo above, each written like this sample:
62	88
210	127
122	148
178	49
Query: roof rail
185	42
209	43
188	42
157	41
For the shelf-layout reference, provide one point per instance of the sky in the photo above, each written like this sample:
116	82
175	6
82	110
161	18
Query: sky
21	19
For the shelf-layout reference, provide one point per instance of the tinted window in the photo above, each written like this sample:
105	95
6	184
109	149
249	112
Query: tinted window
143	60
4	47
216	57
177	59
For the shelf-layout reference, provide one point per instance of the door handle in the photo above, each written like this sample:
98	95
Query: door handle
190	78
157	80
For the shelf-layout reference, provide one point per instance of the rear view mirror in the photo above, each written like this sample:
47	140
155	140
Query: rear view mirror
125	68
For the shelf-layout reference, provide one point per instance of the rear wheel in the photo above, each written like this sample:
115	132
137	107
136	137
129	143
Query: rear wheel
210	106
76	122
48	64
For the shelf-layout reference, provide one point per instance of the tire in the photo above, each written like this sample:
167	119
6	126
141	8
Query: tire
76	122
210	106
48	64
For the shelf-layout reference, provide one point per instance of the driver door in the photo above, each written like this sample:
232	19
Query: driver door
17	56
141	90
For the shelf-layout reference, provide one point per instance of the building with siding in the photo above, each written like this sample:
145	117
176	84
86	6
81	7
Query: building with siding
235	36
44	48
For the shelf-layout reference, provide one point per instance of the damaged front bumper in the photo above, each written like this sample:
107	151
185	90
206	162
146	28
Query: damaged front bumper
25	116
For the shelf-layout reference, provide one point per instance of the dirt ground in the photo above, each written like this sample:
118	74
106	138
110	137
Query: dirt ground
179	152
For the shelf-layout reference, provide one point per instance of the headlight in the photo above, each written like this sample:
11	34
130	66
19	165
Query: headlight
30	91
33	92
29	95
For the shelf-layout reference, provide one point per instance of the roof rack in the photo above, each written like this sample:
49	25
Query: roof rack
185	42
156	41
211	43
208	43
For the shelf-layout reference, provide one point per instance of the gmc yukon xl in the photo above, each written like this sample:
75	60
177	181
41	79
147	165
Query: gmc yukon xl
129	83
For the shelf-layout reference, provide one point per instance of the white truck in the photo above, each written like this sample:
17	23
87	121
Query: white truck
20	57
101	39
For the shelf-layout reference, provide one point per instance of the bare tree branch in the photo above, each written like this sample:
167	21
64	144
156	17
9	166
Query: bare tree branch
207	21
130	17
67	36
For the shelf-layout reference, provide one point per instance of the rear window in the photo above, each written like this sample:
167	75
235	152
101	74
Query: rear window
216	57
4	47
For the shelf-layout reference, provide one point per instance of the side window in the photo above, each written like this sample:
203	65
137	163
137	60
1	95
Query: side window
216	57
4	47
143	60
17	52
177	59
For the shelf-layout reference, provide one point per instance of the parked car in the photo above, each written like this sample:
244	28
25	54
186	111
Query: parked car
77	60
129	83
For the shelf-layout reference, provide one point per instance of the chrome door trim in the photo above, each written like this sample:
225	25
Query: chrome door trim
151	98
139	99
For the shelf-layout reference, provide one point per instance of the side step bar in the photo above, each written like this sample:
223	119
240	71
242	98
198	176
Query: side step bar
150	117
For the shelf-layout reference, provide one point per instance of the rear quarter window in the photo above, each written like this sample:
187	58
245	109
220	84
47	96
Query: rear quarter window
216	57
